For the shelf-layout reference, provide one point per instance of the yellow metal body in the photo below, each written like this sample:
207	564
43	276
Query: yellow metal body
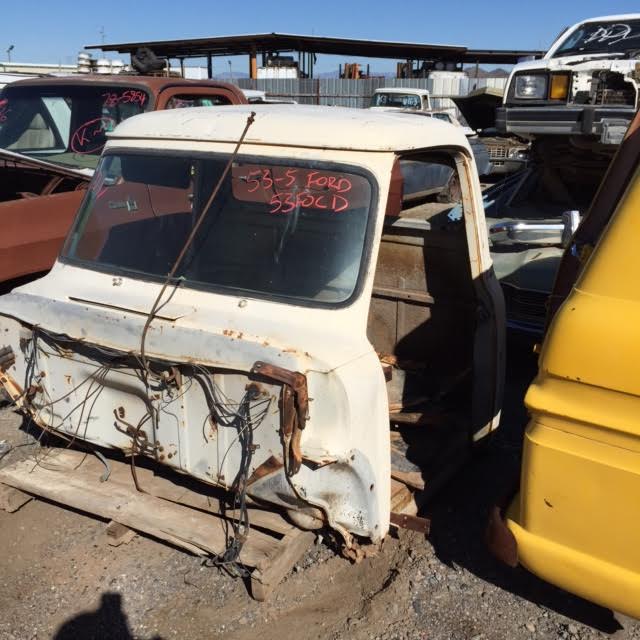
576	519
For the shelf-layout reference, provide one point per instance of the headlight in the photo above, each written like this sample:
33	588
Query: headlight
518	153
531	87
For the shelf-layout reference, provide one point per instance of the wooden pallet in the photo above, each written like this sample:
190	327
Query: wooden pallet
170	510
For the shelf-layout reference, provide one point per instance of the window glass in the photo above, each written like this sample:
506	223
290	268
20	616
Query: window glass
292	230
396	100
184	101
619	37
65	124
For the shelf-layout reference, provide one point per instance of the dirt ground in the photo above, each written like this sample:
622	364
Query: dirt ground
59	579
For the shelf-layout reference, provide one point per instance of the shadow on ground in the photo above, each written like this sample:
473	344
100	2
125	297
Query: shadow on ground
460	511
108	622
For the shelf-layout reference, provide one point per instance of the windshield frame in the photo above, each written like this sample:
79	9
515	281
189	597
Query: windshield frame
311	163
57	89
556	50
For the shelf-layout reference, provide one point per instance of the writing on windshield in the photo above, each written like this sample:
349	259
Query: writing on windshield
4	109
602	37
286	189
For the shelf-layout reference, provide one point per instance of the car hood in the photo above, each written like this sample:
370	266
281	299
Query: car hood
479	107
530	269
29	161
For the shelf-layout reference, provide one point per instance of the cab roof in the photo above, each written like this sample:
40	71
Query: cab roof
153	83
295	126
411	90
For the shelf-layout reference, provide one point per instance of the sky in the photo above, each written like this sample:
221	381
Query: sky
55	31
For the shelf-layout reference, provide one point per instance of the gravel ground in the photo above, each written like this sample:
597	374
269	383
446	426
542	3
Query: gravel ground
59	579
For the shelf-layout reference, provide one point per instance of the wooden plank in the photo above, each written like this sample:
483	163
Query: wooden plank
412	479
118	534
182	526
162	487
270	572
12	499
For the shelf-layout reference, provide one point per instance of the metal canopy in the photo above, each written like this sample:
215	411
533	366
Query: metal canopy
285	42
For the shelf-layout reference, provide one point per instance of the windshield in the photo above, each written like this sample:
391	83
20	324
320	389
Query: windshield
289	230
396	100
602	37
65	124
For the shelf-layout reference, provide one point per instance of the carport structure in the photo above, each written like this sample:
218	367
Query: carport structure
307	48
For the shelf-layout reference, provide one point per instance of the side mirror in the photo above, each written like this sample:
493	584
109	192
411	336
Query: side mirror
570	222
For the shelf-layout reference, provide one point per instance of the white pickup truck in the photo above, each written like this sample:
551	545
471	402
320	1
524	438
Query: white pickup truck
311	302
400	99
586	84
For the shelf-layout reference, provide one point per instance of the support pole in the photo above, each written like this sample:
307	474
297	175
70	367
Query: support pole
209	67
253	65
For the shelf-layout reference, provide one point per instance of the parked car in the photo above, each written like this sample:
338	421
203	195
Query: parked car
586	84
508	153
574	521
315	303
395	98
52	131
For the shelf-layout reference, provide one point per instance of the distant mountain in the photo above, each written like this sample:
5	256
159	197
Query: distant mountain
235	75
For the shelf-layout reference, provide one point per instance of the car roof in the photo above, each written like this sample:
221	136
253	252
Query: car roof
153	83
414	90
294	126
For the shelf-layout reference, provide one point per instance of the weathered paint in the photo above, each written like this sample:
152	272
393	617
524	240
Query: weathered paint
344	448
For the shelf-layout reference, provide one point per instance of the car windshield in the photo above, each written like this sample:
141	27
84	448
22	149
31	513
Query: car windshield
65	124
396	100
286	230
602	37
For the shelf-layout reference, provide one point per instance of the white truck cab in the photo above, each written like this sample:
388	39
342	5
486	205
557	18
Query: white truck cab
321	300
400	99
586	84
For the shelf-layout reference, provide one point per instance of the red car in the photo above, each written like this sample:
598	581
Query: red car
52	131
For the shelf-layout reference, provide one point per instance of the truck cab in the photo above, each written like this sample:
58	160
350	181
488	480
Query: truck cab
330	323
52	131
398	99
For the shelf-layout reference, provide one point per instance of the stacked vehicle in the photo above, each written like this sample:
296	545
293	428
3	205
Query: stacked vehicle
575	105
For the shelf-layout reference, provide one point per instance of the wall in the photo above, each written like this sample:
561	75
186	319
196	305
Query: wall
357	93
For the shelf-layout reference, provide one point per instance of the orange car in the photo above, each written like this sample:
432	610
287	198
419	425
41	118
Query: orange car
52	131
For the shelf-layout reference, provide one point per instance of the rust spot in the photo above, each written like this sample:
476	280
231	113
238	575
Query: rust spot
270	466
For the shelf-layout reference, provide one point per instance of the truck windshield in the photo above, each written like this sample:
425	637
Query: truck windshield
602	37
65	124
290	230
396	100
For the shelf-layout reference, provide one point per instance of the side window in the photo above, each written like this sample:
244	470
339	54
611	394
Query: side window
45	125
184	101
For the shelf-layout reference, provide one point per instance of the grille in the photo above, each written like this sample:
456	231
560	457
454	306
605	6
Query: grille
528	307
497	152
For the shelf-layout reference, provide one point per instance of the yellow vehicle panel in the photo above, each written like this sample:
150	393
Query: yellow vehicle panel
576	520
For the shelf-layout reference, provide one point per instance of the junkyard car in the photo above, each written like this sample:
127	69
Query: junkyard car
52	131
508	153
575	519
395	98
586	84
315	304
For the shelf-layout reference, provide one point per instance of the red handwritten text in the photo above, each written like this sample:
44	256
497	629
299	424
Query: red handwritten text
90	137
4	109
289	188
128	96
